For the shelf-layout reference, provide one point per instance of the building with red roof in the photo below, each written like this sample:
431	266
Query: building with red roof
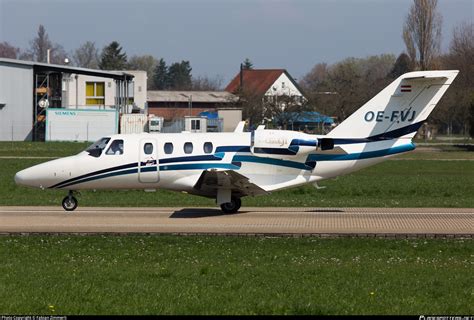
268	83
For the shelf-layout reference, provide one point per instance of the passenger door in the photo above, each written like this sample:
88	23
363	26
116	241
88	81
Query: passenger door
148	168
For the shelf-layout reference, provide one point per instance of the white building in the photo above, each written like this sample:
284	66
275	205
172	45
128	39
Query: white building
29	91
86	92
267	83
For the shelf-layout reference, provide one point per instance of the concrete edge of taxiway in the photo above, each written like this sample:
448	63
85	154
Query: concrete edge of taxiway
394	223
264	235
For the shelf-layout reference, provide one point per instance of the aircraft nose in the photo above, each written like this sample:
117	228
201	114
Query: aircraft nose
21	178
30	177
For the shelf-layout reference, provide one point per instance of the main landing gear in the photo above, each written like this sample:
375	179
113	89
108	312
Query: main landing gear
69	202
231	207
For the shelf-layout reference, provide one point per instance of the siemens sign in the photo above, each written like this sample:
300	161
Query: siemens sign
80	125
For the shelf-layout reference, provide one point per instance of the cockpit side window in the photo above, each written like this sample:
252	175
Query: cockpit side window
116	147
96	148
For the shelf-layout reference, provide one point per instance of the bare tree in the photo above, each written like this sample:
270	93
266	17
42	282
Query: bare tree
316	77
422	32
341	88
453	113
283	109
86	56
146	63
39	46
205	83
8	51
57	54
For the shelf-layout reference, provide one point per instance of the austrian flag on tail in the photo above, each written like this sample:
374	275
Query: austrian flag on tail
406	88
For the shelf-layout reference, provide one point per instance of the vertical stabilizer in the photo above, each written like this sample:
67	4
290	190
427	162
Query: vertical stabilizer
398	110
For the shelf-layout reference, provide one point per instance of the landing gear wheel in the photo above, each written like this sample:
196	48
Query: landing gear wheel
69	203
231	207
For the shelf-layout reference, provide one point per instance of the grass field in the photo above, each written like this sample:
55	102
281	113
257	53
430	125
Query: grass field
146	274
424	181
41	149
232	275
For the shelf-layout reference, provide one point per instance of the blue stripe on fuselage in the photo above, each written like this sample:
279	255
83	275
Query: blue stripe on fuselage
237	159
361	155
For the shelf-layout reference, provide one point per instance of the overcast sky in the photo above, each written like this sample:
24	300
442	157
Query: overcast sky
216	35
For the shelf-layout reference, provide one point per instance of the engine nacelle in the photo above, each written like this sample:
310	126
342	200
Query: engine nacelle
282	144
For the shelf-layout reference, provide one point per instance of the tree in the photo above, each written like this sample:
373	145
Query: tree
343	87
57	54
453	111
86	56
207	84
160	76
39	46
8	51
422	32
112	57
146	63
401	66
179	75
247	64
471	120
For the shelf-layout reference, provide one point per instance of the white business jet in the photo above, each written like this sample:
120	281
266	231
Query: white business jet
230	166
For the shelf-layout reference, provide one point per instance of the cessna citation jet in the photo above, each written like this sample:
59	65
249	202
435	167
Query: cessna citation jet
230	166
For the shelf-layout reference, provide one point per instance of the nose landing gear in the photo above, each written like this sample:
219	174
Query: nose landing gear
69	202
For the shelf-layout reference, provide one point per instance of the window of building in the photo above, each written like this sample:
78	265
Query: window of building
148	148
195	124
208	147
116	147
188	147
168	148
95	93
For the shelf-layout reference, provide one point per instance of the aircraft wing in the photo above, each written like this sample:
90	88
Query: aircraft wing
211	180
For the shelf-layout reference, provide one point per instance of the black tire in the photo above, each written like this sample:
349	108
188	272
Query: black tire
69	203
231	207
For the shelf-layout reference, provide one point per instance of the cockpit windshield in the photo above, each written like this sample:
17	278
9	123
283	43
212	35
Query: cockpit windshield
95	149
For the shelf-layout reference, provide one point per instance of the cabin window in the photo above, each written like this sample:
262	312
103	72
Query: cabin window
208	147
95	150
168	148
188	147
116	147
148	148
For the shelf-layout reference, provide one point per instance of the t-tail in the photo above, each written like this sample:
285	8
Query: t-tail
385	125
399	110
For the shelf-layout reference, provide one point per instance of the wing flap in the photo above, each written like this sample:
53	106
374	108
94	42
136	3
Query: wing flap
212	180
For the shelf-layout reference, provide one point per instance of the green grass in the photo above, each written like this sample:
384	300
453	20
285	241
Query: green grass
416	183
227	275
41	149
436	155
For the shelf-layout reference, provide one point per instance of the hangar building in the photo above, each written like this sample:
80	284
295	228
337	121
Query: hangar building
32	92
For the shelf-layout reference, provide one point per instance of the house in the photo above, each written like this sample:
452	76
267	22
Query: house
269	84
